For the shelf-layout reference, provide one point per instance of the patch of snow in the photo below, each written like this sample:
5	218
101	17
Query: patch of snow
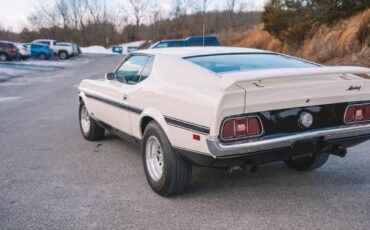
131	44
103	50
55	62
134	44
6	99
23	68
96	50
6	73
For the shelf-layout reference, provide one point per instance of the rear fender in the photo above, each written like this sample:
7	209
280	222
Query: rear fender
150	113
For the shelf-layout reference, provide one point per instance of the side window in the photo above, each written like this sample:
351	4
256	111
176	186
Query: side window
162	45
196	43
130	71
210	43
147	69
177	44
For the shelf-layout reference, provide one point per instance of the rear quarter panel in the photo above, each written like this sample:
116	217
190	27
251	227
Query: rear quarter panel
177	90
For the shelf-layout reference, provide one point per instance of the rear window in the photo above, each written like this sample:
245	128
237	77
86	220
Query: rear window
247	62
162	45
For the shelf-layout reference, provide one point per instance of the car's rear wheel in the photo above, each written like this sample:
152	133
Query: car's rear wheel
3	57
309	163
167	172
42	56
89	128
63	55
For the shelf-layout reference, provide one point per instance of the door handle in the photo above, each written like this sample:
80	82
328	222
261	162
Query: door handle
125	97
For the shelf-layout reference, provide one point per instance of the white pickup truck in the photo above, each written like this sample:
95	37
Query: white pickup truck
63	52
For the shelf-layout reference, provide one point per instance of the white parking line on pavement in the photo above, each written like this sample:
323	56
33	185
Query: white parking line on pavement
7	99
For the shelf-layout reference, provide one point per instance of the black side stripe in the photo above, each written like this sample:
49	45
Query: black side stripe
170	120
115	104
186	125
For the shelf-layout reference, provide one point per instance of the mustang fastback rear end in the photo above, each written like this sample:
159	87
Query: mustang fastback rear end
226	107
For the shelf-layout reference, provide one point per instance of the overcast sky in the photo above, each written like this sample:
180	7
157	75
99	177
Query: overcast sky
13	13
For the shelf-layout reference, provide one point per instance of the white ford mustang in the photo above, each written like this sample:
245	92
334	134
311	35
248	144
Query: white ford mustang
227	107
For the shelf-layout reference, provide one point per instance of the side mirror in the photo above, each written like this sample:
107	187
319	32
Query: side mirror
110	76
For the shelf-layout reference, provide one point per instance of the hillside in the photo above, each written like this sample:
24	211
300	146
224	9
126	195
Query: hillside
345	43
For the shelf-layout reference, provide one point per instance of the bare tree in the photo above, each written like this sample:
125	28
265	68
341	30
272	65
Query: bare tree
139	8
62	9
181	7
231	6
200	5
154	18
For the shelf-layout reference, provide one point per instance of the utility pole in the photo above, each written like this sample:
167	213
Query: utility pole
204	21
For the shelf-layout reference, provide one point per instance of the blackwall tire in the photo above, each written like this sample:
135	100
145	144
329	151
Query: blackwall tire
42	56
176	173
310	163
3	57
89	128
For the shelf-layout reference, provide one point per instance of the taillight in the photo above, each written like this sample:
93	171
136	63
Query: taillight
241	127
357	113
13	50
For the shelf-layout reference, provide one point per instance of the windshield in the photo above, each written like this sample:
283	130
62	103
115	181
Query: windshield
246	62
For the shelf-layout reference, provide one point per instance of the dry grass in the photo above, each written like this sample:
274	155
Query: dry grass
346	43
259	39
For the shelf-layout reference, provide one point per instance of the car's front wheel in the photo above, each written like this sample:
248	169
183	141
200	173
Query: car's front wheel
309	163
89	128
167	172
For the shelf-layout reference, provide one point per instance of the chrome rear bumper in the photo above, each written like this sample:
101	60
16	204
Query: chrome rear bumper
219	149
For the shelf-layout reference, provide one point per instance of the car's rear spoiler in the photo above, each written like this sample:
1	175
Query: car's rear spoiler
230	79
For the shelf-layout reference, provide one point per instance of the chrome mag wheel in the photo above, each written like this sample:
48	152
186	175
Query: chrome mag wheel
85	120
154	158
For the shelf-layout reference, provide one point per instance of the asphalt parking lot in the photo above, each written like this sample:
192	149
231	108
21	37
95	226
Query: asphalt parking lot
51	178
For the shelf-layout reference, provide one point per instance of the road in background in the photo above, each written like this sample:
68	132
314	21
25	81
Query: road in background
51	178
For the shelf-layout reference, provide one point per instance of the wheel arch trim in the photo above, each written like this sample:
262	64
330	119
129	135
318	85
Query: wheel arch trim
155	115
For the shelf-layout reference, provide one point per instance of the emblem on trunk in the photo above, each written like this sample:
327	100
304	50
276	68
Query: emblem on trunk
305	120
354	87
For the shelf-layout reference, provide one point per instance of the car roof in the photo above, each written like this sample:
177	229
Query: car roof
4	41
40	44
49	40
182	52
201	37
172	40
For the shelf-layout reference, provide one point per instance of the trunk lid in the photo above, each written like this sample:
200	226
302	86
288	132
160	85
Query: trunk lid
289	88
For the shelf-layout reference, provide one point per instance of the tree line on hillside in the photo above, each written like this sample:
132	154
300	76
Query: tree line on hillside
98	22
293	21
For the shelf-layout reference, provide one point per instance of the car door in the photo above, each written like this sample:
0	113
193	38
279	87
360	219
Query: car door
116	92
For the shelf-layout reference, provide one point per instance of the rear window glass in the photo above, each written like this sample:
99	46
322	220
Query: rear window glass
162	45
246	62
